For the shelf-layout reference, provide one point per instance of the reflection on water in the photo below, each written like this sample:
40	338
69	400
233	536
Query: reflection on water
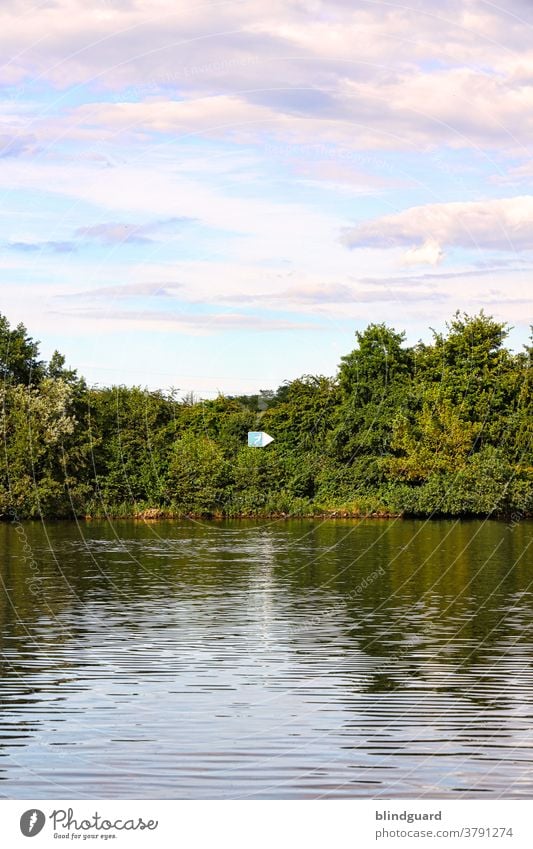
272	660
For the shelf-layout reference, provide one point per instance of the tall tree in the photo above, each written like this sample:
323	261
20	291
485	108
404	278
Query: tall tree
19	355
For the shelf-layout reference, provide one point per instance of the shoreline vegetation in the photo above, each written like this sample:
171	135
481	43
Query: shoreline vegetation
156	514
159	515
430	430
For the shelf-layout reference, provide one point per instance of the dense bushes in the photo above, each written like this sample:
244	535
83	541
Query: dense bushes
439	429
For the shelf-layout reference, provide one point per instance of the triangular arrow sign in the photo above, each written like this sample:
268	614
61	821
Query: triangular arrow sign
258	439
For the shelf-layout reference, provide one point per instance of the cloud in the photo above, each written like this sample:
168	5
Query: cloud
237	286
40	247
411	110
107	233
113	233
366	75
481	269
505	225
128	290
116	232
13	145
194	323
334	294
515	176
430	253
337	173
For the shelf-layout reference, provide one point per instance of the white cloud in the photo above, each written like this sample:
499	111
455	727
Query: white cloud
504	224
430	253
369	76
517	175
461	108
190	322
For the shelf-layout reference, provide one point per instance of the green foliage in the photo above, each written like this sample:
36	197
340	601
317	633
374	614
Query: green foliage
198	475
40	463
373	381
19	355
302	417
258	477
431	440
131	434
433	429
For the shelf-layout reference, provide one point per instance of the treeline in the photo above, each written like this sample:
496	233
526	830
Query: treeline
432	429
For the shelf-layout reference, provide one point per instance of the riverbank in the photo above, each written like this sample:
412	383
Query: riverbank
161	514
165	513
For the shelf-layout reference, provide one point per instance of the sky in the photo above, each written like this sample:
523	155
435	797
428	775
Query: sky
214	196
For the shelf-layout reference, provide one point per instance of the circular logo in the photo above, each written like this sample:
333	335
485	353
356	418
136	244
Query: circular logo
32	822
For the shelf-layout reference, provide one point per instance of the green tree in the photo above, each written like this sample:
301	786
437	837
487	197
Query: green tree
373	381
198	475
39	468
19	355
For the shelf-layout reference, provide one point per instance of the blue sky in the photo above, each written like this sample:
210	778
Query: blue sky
216	196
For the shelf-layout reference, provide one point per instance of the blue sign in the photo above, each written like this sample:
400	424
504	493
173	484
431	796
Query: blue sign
258	439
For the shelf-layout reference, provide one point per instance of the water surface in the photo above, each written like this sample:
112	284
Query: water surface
291	659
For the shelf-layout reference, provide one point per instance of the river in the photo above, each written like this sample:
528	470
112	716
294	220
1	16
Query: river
282	659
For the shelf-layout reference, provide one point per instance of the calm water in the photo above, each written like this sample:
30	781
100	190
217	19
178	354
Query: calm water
272	660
